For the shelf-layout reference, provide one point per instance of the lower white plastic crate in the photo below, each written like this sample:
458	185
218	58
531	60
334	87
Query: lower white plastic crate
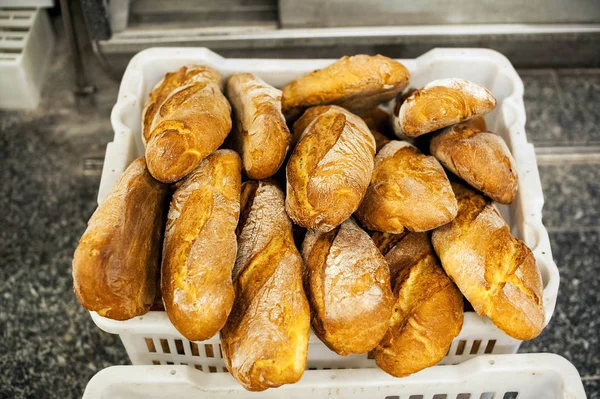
523	376
26	43
152	339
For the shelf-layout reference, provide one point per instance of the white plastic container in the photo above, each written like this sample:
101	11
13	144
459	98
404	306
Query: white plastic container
524	376
152	339
26	43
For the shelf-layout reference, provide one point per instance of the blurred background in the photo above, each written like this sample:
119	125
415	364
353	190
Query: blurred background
60	66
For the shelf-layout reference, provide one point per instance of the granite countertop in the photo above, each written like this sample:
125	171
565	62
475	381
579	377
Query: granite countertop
51	347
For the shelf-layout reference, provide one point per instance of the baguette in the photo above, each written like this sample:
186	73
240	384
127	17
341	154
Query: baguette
408	190
495	271
428	313
329	170
356	83
115	266
196	285
186	118
348	285
265	340
480	158
261	135
442	103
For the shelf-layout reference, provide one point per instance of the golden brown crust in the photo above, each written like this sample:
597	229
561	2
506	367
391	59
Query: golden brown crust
480	158
356	83
401	250
408	190
115	266
186	118
265	340
196	285
332	164
261	134
495	271
442	103
348	285
302	123
428	313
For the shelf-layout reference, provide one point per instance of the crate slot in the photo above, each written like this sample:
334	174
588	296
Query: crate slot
392	397
463	396
195	351
165	345
212	369
440	396
156	362
208	348
461	347
199	367
416	397
179	347
510	395
150	345
487	395
475	347
489	348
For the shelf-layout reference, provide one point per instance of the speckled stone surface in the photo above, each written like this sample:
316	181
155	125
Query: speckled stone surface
562	106
571	195
51	348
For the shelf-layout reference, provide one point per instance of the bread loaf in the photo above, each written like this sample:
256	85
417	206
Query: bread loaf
329	170
265	340
480	158
185	119
495	271
442	103
196	284
408	190
428	313
261	135
115	266
348	285
356	83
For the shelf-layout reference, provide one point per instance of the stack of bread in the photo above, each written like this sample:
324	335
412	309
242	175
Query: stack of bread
208	227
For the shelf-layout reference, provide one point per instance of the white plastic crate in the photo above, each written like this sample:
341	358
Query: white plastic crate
26	42
523	376
152	339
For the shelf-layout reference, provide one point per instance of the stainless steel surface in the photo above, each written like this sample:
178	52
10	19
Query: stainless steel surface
559	45
338	13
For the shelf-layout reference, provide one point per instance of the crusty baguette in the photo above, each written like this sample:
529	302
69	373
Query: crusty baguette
115	266
428	313
261	135
196	285
442	103
348	285
376	119
356	83
185	119
495	271
408	190
329	170
480	158
265	340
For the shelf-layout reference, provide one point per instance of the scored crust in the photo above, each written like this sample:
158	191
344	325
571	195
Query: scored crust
331	164
495	271
356	83
442	103
408	190
348	285
261	135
